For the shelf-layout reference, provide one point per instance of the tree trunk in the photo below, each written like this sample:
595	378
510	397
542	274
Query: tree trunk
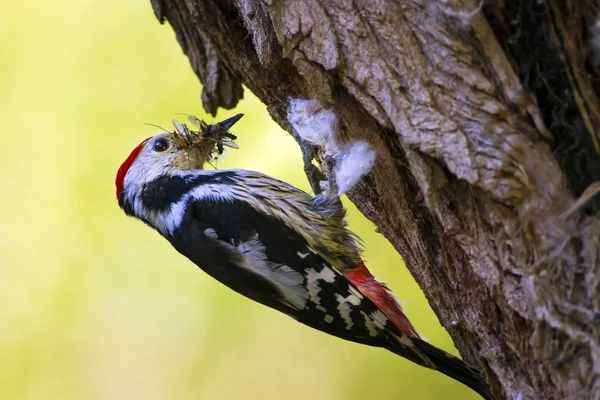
485	120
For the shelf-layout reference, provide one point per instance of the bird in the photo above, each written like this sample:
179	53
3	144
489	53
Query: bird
270	242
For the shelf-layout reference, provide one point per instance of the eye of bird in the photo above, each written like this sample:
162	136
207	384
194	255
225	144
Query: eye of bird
161	145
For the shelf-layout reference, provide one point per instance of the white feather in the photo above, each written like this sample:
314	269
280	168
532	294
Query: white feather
314	124
318	126
312	282
353	164
288	281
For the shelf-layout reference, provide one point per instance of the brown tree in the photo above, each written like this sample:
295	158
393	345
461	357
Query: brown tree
485	119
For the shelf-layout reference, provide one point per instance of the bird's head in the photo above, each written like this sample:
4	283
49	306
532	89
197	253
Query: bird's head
170	153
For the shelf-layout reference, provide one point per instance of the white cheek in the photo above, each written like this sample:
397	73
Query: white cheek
145	169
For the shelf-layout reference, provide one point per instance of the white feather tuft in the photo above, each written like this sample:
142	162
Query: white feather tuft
352	164
314	124
318	126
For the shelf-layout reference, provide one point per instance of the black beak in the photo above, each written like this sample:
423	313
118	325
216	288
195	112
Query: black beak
229	122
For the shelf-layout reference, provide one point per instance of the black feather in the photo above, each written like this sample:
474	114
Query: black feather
448	365
161	193
235	222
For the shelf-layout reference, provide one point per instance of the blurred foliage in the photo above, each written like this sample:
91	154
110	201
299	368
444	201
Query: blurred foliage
96	305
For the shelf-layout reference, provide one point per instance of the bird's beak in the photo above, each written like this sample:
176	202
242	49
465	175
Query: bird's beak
229	122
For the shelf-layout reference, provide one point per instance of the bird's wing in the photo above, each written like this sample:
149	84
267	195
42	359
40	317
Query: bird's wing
263	259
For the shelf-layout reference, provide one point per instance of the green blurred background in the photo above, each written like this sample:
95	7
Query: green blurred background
95	305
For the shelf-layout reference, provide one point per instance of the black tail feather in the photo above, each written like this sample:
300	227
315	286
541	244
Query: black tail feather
451	366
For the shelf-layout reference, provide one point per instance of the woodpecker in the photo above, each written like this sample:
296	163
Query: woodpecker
270	242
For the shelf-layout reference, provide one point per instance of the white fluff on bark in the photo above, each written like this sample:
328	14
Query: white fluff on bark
314	124
317	126
353	164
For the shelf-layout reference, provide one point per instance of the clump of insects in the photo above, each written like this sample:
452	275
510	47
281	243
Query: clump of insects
209	139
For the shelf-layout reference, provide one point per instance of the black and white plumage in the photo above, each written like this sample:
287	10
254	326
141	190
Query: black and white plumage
274	244
209	217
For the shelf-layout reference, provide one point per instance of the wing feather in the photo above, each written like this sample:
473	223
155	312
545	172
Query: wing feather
261	258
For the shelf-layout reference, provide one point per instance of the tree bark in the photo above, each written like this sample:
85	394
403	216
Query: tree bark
485	120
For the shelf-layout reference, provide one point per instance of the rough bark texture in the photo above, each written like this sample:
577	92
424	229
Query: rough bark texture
485	119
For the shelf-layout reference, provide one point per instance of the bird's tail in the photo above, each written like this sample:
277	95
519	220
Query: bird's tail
448	365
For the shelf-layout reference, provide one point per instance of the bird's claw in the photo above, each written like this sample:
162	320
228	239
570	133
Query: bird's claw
331	163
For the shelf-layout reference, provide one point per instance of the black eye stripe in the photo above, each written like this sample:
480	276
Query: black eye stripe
161	145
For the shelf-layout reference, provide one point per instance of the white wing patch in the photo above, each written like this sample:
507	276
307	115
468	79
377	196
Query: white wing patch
289	282
369	324
312	282
302	255
345	310
345	307
379	319
405	340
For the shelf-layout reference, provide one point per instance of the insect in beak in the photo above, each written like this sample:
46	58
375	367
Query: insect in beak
229	122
